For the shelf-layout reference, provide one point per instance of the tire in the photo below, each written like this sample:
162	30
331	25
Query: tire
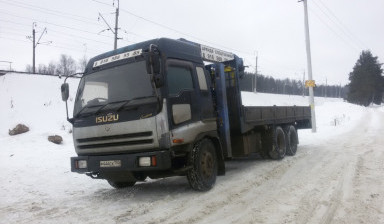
279	145
203	162
292	140
119	185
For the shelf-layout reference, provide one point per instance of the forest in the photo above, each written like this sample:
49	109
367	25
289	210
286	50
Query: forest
268	84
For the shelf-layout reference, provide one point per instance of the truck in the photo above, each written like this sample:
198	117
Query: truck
167	107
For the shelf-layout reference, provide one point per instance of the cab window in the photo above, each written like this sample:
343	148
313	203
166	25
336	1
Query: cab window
179	79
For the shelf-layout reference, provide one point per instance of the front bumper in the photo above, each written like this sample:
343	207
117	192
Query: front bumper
128	162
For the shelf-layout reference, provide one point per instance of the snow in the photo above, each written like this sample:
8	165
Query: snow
337	175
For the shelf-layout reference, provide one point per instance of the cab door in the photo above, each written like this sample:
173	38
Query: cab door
182	95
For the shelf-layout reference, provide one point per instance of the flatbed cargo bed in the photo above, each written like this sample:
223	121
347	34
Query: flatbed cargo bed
268	115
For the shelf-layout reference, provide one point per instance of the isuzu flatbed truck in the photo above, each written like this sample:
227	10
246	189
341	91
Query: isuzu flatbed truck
154	109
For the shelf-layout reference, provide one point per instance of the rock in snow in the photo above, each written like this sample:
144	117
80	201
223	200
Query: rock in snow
57	139
19	129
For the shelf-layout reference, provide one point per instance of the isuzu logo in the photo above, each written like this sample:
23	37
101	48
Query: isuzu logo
107	118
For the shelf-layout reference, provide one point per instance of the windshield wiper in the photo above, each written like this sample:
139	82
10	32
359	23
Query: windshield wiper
86	107
108	104
123	103
129	101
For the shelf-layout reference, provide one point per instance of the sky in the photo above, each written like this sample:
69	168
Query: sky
272	30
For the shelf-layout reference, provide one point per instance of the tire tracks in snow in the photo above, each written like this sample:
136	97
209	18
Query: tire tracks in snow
267	188
339	180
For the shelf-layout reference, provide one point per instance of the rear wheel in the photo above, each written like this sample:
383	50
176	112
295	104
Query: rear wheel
291	139
279	146
203	162
274	143
118	185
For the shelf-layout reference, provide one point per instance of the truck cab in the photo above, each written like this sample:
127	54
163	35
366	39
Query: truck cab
139	111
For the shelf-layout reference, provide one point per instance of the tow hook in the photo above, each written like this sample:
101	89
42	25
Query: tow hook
94	175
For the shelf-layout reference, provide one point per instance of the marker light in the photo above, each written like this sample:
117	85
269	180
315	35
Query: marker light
144	161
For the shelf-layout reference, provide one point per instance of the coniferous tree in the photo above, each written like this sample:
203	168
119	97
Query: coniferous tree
366	81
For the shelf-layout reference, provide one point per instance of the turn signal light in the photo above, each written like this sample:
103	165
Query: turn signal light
153	161
178	140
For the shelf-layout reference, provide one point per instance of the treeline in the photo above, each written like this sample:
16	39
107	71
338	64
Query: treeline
268	84
265	84
65	66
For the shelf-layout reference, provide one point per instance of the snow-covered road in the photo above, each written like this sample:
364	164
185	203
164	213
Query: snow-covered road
338	180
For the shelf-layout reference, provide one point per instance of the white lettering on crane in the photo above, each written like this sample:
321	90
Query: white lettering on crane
215	55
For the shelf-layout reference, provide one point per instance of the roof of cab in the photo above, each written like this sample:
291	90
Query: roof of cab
169	48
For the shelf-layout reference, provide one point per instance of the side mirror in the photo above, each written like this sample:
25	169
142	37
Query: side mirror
155	58
153	63
65	91
158	79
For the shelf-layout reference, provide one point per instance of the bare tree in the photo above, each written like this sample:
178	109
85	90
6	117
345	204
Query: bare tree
28	68
82	63
51	69
42	69
66	66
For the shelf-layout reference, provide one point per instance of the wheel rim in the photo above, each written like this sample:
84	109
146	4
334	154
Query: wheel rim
207	164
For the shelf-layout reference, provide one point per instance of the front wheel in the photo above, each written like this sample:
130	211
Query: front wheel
203	162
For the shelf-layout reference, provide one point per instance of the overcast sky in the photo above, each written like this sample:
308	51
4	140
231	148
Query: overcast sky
272	29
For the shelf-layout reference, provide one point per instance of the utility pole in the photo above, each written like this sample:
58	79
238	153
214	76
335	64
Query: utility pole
255	89
304	83
309	64
116	22
114	31
34	44
34	48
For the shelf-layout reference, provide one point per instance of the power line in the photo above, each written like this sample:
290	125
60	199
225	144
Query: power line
52	45
50	11
343	27
22	32
13	39
100	2
332	30
340	27
20	24
53	24
175	30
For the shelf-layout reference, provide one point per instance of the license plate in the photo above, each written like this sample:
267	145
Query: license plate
110	163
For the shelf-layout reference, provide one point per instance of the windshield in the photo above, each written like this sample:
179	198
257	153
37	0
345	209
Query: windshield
117	84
